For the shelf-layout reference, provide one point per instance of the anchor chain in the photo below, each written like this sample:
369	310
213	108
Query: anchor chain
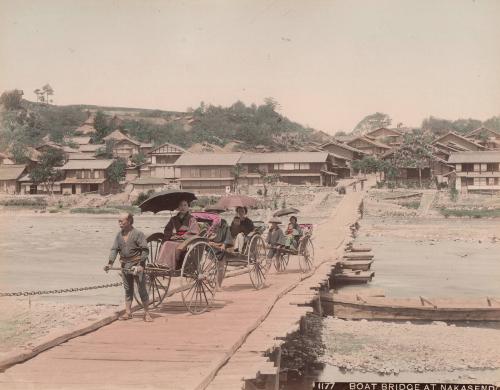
59	291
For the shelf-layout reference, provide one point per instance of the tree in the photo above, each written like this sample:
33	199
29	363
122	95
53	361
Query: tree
101	125
46	171
19	153
415	152
372	122
116	172
138	159
106	151
268	178
236	173
11	100
48	91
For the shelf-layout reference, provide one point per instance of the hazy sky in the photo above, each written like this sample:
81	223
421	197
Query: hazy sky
328	63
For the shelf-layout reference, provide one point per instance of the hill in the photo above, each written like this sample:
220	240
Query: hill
238	127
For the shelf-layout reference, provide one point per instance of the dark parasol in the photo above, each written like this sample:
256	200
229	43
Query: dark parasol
166	200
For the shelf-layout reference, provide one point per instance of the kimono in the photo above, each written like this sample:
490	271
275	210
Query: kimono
240	232
221	235
275	239
183	226
293	233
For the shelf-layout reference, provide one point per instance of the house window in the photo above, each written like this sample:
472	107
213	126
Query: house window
492	167
79	174
195	172
96	174
86	174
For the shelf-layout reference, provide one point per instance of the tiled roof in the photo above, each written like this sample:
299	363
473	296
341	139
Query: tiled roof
488	156
197	159
87	164
283	157
11	172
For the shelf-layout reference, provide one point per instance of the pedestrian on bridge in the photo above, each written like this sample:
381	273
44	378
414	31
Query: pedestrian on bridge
131	244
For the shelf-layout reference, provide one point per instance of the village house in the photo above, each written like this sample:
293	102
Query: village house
457	142
87	128
163	159
9	176
91	149
342	155
126	147
78	140
296	168
207	172
434	168
488	138
369	146
145	184
5	160
83	176
476	171
390	137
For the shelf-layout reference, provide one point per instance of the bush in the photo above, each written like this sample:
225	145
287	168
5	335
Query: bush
142	197
453	194
25	202
90	210
471	213
204	201
259	192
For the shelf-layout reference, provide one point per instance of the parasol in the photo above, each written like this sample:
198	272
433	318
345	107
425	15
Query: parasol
166	200
287	211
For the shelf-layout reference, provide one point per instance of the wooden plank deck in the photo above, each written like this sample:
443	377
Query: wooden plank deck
181	351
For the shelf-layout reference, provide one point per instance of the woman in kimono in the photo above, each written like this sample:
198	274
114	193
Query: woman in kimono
293	234
180	227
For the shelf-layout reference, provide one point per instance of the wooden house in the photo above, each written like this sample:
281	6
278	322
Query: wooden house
488	138
342	157
207	172
9	176
369	146
87	128
83	176
476	171
297	168
163	159
390	137
458	142
123	146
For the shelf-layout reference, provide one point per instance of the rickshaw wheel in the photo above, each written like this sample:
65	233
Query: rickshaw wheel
199	277
281	261
157	277
258	262
306	255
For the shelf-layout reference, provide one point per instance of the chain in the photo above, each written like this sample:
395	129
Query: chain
60	291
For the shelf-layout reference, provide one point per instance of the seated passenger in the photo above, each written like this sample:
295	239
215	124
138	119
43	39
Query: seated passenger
275	238
240	228
220	240
179	228
293	234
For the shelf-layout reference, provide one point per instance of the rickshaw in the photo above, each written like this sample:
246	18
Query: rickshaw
304	247
252	259
198	265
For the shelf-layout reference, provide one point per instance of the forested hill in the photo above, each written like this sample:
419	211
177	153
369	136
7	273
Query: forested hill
238	127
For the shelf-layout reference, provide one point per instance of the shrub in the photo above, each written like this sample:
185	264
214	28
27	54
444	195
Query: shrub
142	197
25	202
453	194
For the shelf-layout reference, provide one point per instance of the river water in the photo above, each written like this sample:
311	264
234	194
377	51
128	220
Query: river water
435	258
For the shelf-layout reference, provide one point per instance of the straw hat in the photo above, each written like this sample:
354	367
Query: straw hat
275	220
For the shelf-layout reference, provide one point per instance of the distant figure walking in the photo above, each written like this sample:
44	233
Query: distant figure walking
131	244
354	186
362	185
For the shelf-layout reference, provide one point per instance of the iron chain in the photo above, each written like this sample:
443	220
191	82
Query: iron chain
59	291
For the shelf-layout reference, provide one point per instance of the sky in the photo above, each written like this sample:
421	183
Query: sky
328	63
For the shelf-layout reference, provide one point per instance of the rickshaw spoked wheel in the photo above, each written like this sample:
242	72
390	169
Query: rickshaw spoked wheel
157	277
199	277
258	263
281	261
306	255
